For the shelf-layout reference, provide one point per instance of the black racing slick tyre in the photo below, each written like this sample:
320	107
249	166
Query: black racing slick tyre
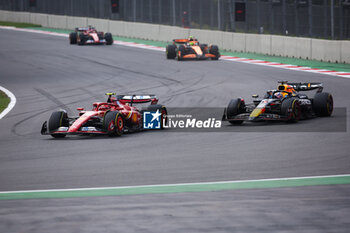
162	109
113	124
290	108
323	104
180	52
170	51
57	120
73	38
235	107
109	38
214	49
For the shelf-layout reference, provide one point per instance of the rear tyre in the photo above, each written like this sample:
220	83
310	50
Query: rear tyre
235	107
113	124
170	51
82	39
109	38
214	49
290	108
162	109
323	104
73	38
57	120
180	52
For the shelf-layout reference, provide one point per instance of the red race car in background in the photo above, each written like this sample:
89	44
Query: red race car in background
89	35
113	118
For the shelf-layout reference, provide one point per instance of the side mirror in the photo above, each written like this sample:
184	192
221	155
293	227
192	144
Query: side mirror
255	96
80	109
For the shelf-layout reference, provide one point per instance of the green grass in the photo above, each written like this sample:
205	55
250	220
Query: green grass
4	101
18	25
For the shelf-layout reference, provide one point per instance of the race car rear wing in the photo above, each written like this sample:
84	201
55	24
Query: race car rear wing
137	99
184	41
306	86
81	29
181	41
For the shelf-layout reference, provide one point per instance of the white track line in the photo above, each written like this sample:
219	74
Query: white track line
174	185
11	104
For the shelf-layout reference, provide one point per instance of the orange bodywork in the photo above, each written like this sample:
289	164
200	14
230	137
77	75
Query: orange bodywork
198	50
181	41
195	56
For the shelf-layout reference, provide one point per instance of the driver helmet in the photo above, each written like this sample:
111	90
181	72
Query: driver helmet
278	95
287	89
290	89
191	43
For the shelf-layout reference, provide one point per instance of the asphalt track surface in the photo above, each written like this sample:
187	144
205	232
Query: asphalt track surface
46	73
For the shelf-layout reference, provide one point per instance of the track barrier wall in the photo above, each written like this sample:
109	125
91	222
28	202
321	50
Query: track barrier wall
297	47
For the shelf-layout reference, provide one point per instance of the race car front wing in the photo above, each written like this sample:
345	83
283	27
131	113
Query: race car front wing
64	130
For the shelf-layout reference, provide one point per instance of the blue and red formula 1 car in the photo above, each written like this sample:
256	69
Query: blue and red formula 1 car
89	35
113	118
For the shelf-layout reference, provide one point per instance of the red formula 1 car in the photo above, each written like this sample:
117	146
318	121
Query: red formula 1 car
190	48
89	35
113	118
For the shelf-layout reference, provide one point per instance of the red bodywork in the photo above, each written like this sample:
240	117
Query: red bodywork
91	122
91	34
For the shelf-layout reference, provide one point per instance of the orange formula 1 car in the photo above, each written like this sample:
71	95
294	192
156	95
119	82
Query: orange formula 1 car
190	48
89	35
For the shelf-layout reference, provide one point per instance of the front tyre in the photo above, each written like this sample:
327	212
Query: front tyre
73	38
109	38
170	51
290	108
235	107
57	120
113	124
323	104
214	49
